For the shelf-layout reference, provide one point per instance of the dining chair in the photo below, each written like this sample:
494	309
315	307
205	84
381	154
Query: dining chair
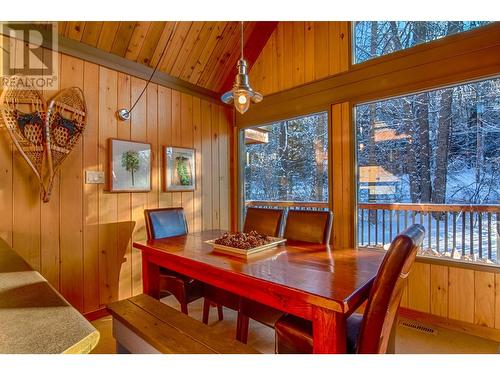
265	221
171	222
369	333
318	225
308	226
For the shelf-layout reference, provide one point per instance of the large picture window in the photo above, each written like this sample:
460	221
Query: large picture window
377	38
285	164
432	158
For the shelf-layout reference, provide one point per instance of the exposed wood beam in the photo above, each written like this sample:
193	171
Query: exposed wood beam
109	60
467	56
255	44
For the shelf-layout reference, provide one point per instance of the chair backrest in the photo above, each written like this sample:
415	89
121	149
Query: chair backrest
385	295
308	226
265	221
165	222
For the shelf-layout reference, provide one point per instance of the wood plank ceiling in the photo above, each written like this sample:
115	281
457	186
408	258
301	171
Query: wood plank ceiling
202	53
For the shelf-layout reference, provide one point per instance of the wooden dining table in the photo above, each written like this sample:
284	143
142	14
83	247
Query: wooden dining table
311	281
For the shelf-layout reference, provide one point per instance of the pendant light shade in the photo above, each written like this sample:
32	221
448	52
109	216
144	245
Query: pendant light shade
241	94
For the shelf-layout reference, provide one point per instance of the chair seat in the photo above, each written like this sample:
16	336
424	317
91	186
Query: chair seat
168	273
259	312
294	334
181	286
221	297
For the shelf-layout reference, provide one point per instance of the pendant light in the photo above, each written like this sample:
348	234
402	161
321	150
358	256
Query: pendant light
242	93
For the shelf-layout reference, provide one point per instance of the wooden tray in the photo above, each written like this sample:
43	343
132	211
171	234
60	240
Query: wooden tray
245	252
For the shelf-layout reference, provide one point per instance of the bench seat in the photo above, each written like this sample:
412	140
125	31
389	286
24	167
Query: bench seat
142	324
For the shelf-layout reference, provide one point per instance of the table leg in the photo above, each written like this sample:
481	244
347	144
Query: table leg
329	335
150	277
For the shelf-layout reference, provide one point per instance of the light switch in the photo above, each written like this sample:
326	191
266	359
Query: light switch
94	177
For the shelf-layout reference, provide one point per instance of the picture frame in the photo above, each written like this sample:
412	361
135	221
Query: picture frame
129	168
179	168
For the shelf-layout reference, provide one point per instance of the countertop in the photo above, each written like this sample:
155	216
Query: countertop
34	317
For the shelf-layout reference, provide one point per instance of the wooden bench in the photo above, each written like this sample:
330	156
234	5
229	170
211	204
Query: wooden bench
142	324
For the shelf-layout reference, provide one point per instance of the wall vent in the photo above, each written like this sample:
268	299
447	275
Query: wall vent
417	326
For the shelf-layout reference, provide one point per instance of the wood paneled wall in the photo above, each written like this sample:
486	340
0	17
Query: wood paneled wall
81	240
301	52
466	295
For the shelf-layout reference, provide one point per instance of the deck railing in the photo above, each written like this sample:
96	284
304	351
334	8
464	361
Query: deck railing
286	205
467	232
461	231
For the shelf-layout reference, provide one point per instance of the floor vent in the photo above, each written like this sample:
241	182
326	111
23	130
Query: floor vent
417	326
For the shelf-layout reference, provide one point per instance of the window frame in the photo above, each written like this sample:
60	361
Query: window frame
352	40
240	157
489	267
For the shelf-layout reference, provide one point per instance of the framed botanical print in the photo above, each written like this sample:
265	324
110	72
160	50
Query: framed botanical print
129	166
179	167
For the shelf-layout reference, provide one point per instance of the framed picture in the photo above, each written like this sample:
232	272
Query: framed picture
129	166
179	166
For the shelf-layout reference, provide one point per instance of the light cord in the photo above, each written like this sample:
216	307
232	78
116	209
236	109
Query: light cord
242	40
156	67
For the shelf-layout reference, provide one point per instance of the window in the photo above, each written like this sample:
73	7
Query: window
377	38
287	161
432	158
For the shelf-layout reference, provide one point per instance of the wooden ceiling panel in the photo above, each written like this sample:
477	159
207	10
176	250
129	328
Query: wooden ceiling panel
254	43
75	30
188	44
91	33
227	64
200	64
61	28
164	39
229	32
153	36
196	50
180	33
122	38
107	35
202	53
137	40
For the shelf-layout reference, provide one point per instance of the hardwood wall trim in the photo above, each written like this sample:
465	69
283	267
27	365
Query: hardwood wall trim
97	314
470	55
117	63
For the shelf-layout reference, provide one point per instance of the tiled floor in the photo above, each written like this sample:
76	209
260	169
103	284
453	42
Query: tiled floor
260	337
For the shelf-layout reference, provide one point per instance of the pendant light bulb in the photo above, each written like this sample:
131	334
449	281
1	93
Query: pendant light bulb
242	103
242	93
242	99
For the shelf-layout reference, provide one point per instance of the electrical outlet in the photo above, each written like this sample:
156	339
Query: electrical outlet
94	177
